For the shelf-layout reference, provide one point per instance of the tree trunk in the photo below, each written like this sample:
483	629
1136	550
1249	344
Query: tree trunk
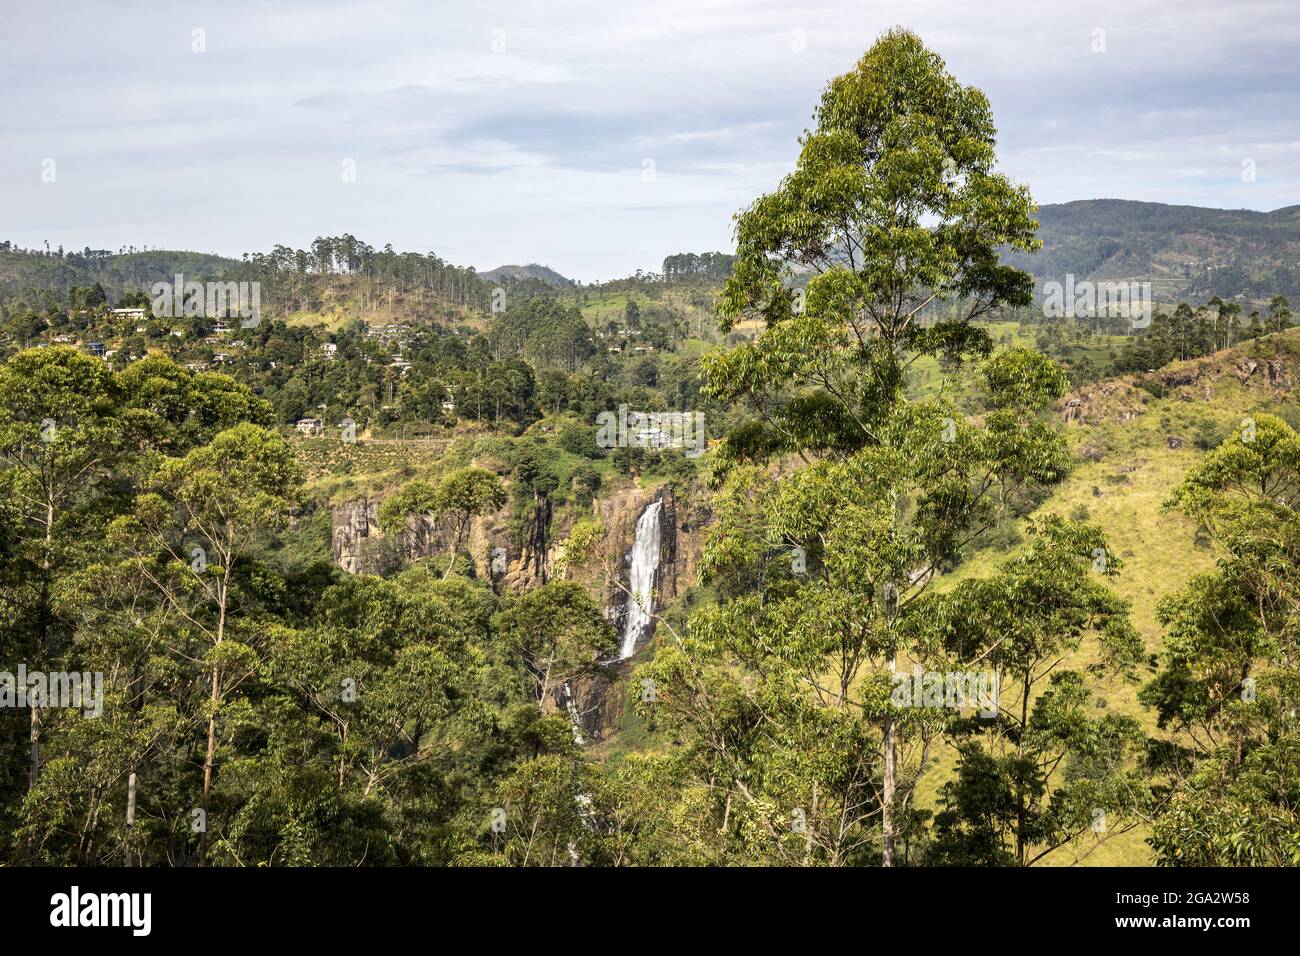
208	761
809	825
1021	815
43	641
890	782
130	815
223	592
35	771
887	804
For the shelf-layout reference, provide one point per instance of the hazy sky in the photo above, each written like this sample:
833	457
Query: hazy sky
594	137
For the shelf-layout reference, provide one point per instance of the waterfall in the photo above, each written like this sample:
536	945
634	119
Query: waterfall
575	718
641	580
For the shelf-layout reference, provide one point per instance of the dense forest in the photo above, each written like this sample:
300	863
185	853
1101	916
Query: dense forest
1186	251
894	615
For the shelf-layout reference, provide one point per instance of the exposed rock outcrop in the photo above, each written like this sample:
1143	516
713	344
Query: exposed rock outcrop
1116	400
358	546
1270	367
602	698
1273	371
352	525
679	543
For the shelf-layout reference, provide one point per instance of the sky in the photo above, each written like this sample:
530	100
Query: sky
596	138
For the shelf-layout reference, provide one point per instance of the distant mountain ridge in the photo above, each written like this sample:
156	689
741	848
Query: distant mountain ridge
1187	252
533	270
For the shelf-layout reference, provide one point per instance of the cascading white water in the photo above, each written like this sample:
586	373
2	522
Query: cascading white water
641	579
575	718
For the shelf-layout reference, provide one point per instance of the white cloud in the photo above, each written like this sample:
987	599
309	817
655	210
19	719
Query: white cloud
517	132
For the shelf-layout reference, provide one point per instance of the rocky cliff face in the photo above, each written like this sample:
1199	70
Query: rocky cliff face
532	567
1194	380
359	547
352	525
679	542
601	699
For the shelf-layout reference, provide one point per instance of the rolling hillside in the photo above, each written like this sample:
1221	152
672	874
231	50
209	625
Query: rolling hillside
1187	252
1135	438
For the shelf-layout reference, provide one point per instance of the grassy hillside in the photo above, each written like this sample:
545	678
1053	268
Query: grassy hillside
1132	450
354	299
1076	349
690	305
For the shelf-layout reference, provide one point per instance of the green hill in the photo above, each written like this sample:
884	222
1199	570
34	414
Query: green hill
531	271
1135	438
1187	252
117	273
